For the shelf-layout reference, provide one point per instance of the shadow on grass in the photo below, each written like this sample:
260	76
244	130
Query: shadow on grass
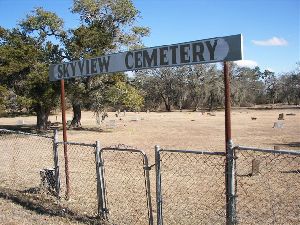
17	114
32	129
92	129
46	206
23	128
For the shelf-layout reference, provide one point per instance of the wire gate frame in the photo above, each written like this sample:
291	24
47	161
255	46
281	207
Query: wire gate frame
56	143
83	176
158	163
103	203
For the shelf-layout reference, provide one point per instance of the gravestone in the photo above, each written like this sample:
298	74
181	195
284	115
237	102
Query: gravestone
281	116
255	167
69	122
20	122
111	124
278	125
135	119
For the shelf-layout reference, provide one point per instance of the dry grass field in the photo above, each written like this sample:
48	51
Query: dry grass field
175	130
191	130
183	130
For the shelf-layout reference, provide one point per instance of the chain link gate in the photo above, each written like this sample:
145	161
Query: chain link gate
125	186
83	198
268	186
190	187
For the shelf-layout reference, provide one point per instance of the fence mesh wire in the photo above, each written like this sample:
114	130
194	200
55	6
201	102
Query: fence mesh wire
124	177
268	188
22	156
82	175
192	184
192	188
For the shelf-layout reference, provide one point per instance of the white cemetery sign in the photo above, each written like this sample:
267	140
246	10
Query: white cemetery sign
219	49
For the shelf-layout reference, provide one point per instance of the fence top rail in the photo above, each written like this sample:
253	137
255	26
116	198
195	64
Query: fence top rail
76	143
124	148
289	152
121	149
24	133
193	152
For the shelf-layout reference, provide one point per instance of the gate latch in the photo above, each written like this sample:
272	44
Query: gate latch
148	167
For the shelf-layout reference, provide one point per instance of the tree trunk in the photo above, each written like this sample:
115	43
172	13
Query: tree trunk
167	103
196	107
180	105
168	107
76	115
42	117
211	102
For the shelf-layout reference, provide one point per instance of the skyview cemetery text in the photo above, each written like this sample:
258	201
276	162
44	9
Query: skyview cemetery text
203	51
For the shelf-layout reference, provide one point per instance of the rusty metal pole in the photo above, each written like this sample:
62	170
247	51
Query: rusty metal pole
227	105
63	112
230	161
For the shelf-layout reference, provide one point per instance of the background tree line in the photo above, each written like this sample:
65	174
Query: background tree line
201	87
108	26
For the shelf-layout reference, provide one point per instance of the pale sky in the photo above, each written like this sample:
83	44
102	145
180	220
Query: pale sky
271	28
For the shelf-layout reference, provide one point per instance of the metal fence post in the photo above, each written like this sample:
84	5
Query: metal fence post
56	162
148	190
100	183
231	207
158	186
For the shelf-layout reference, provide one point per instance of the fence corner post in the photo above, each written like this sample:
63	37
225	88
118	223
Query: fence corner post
56	162
231	192
158	186
100	182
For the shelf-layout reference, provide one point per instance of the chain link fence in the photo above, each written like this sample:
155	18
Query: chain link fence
22	157
190	187
127	185
268	186
82	177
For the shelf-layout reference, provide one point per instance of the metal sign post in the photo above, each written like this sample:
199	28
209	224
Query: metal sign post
230	161
227	104
63	113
